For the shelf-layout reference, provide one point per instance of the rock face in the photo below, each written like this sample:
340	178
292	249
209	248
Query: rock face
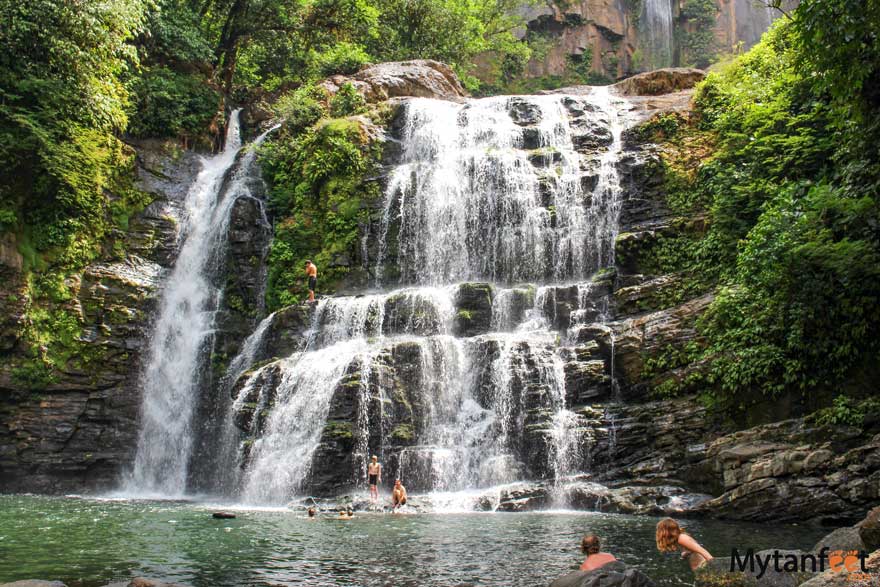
81	429
616	39
790	468
420	78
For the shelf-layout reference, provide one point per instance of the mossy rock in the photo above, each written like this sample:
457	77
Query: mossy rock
473	309
338	430
403	433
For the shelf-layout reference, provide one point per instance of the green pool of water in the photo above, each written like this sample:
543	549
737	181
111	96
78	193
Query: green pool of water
89	542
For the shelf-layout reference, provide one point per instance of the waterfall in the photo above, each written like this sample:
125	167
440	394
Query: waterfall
182	331
521	194
282	457
478	196
656	25
226	478
491	190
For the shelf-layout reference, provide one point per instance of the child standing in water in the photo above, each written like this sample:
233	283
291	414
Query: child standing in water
671	538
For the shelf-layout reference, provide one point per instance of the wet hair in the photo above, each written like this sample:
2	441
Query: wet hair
668	532
590	544
308	261
311	512
350	512
374	458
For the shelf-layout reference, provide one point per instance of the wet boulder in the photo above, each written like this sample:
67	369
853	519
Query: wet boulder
411	312
614	574
523	497
846	538
869	530
473	309
523	112
590	134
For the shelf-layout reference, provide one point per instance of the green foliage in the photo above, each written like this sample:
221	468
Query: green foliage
346	102
301	108
792	237
66	181
580	64
838	49
318	194
172	104
662	127
62	101
452	31
344	58
846	411
175	34
695	33
403	433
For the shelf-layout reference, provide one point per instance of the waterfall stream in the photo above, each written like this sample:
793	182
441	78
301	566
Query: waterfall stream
185	322
657	18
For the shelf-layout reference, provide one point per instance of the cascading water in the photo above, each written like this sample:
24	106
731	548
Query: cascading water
656	26
470	204
185	321
477	195
497	190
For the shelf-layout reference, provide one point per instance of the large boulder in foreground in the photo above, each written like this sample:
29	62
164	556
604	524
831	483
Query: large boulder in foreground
420	78
615	574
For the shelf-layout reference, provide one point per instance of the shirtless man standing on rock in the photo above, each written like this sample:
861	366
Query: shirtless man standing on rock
312	274
374	472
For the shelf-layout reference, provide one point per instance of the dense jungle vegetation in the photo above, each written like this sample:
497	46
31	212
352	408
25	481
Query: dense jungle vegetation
789	192
787	178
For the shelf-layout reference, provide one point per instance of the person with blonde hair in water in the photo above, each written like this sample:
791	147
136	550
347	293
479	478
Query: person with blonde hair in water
595	558
672	538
